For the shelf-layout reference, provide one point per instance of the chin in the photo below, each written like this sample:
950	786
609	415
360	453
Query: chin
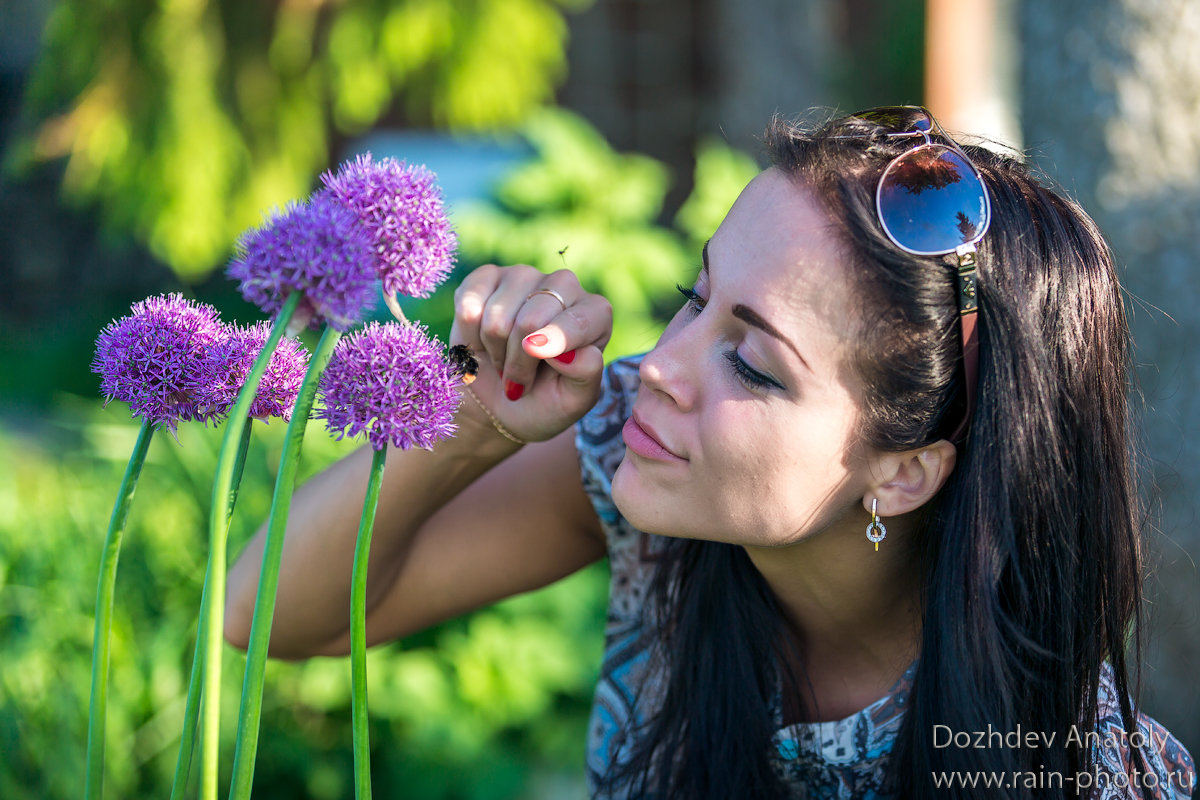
643	505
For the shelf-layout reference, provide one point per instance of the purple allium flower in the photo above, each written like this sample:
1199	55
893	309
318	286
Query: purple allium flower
401	207
317	248
391	382
227	363
151	359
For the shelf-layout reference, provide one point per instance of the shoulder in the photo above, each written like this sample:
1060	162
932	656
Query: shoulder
1169	771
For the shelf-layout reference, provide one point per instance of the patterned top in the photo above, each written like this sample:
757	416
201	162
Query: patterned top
846	758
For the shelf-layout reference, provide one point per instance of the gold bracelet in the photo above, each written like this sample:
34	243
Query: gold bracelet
503	431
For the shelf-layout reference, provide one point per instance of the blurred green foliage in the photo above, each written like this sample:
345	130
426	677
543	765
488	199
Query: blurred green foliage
472	709
493	705
182	120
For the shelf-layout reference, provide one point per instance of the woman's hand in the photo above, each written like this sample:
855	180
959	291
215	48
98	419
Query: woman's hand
539	360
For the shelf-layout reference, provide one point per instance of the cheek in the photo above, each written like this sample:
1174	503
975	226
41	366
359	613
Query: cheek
775	479
742	468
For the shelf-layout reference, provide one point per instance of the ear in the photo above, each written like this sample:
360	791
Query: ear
906	481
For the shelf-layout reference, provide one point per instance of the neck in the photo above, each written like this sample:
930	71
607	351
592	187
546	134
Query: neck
855	613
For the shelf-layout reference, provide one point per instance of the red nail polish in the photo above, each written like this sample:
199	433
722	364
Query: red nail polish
537	339
566	358
513	391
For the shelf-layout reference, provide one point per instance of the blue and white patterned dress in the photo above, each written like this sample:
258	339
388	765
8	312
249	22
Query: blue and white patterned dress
846	758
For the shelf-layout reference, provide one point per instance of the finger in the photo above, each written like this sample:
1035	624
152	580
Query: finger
578	381
500	312
582	364
552	297
587	321
554	293
470	298
559	288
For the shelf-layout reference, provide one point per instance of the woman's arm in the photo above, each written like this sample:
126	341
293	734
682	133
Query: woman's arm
478	518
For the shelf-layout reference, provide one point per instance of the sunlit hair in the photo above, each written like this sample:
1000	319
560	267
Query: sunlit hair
1030	554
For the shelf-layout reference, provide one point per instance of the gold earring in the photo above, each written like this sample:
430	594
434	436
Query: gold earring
875	531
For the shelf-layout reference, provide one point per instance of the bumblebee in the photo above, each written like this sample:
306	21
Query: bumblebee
463	362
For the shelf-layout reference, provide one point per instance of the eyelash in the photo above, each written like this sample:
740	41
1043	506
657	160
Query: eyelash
694	302
750	377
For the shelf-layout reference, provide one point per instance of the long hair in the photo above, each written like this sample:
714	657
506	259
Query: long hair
1029	555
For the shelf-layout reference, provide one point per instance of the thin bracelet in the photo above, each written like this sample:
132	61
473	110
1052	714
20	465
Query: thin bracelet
503	431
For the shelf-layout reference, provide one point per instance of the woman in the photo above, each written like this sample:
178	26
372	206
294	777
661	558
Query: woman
888	336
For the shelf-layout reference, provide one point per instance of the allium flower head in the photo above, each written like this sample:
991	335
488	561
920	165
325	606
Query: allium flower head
152	358
401	207
227	363
391	382
317	248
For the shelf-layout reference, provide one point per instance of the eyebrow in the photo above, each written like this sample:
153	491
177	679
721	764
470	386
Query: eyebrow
751	317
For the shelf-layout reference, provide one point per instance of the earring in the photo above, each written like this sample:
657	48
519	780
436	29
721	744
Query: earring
875	531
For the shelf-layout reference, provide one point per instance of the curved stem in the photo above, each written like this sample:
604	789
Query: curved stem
358	631
214	582
268	581
394	306
105	590
191	712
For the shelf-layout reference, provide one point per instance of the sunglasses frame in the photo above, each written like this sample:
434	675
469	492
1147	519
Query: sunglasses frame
964	252
947	145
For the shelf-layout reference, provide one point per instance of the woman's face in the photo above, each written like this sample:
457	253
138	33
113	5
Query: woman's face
742	430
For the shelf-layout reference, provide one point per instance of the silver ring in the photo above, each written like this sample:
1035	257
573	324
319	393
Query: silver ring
550	292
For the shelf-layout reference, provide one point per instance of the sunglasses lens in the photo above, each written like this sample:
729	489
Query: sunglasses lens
931	200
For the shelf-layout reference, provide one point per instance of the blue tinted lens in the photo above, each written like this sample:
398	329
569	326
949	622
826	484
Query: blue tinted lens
931	200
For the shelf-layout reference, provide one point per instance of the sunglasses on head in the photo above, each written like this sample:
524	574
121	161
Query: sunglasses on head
931	201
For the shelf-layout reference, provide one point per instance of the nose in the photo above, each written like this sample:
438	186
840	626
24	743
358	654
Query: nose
671	368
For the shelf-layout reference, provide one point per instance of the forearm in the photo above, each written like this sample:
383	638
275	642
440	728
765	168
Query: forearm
313	599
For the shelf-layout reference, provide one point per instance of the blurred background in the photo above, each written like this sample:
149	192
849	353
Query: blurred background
138	139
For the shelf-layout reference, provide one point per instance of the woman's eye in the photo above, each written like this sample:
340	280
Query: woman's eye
751	377
695	303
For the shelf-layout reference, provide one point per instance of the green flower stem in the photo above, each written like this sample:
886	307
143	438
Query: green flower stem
358	631
264	604
98	706
214	581
191	713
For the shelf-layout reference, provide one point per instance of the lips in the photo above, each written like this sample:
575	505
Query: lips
643	440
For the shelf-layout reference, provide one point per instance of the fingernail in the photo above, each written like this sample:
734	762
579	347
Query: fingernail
537	339
513	391
566	358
